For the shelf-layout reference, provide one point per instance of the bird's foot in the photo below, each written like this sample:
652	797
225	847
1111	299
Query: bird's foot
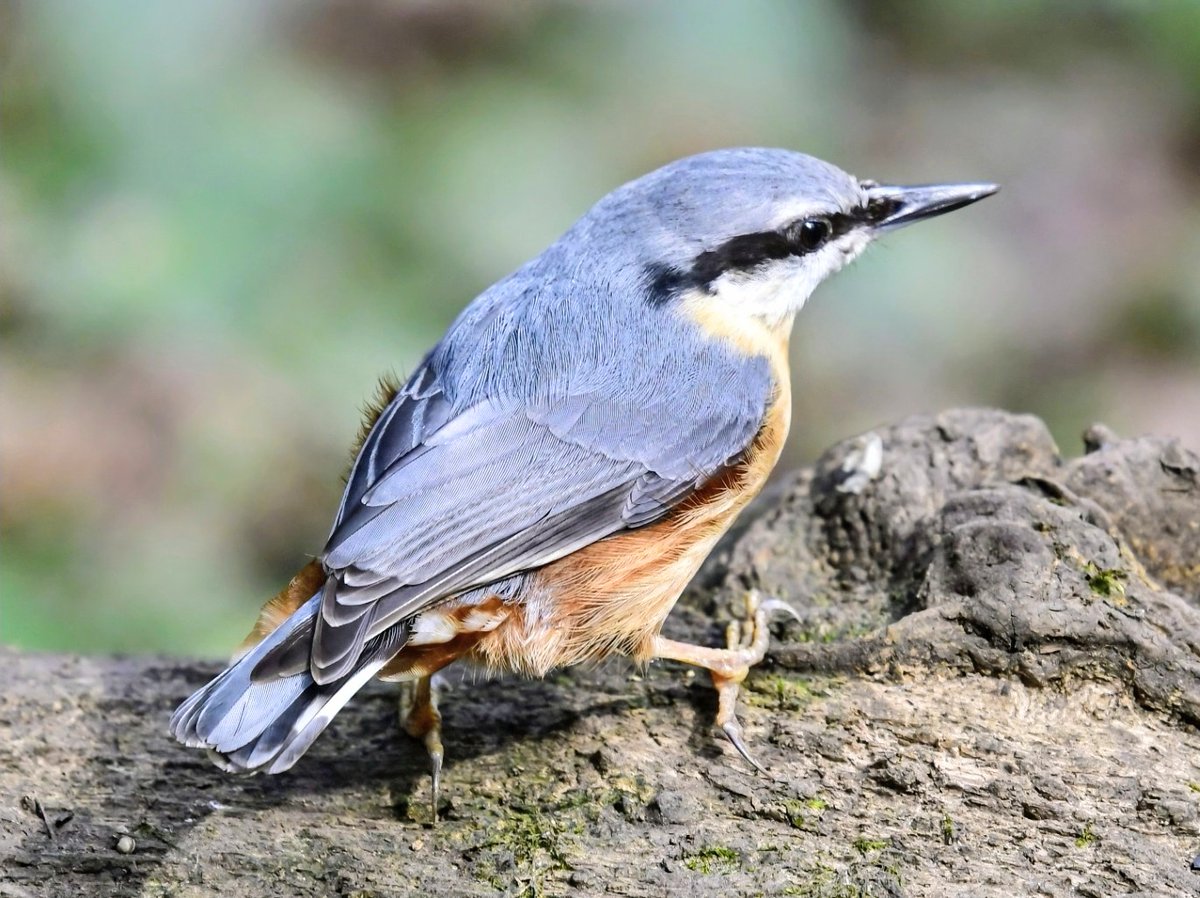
420	718
747	642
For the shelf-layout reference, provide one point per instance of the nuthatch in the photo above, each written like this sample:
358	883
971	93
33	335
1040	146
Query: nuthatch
543	487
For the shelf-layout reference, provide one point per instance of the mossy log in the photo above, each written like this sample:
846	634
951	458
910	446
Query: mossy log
994	691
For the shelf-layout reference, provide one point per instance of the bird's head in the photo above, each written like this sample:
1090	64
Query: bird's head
754	231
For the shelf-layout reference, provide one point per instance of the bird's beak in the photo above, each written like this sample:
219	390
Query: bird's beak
893	207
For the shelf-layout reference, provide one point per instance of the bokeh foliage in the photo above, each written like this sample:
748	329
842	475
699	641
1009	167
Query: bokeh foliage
221	220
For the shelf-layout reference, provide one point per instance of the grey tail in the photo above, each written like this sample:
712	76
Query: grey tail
264	725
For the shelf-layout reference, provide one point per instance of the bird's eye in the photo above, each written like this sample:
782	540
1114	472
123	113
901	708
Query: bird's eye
812	233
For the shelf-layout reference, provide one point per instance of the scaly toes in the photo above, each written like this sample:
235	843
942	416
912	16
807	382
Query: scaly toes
753	600
733	635
728	689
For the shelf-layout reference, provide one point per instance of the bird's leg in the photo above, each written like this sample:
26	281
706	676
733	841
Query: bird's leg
728	667
421	719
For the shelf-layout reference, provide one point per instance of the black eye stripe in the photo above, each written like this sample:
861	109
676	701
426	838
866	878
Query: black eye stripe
742	253
746	252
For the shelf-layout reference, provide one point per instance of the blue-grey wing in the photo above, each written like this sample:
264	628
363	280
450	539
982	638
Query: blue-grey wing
440	501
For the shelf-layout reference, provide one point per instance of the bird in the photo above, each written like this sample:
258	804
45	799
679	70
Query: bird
543	486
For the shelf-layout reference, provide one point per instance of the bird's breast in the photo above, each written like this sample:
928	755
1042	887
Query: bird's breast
748	335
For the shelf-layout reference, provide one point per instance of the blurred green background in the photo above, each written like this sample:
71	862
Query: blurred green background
220	221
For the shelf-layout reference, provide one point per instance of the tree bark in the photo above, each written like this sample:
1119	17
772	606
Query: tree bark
994	689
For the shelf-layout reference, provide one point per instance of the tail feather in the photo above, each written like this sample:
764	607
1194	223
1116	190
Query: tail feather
251	724
254	712
315	716
263	749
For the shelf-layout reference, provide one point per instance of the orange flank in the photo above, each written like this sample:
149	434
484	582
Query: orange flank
299	590
444	634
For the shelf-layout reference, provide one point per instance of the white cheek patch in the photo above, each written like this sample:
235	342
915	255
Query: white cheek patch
778	289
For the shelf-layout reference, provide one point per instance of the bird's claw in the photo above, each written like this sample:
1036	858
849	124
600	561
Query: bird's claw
747	641
758	605
746	646
778	606
733	732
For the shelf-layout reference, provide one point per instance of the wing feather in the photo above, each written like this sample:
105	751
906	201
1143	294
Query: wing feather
450	492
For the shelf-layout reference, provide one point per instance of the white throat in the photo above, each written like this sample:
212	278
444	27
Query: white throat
776	291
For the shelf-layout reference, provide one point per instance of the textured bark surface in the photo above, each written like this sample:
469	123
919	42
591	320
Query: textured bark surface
994	690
